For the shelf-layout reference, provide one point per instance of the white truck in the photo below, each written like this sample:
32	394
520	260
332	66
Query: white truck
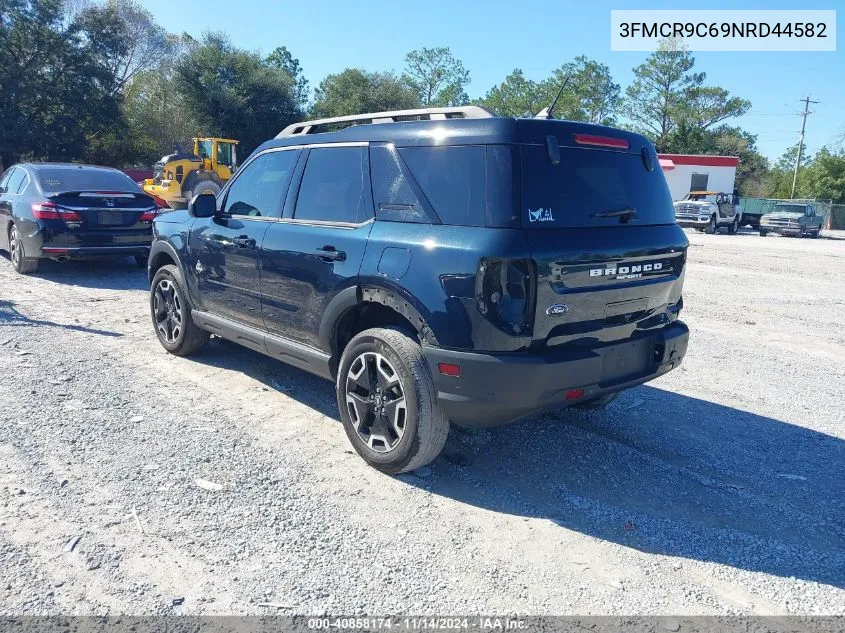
709	211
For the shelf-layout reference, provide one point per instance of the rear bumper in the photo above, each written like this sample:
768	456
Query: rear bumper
501	388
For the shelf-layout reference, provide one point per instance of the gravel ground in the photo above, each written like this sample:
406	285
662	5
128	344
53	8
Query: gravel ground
134	482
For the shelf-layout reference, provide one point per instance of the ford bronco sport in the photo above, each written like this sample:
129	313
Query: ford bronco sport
438	265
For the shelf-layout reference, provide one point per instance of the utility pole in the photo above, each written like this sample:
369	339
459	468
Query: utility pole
807	102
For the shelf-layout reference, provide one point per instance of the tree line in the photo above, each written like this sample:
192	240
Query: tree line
105	83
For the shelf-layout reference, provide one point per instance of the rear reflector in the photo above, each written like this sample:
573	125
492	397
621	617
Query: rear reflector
573	394
448	369
147	216
601	141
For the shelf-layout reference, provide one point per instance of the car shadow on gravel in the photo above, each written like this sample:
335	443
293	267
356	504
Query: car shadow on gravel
667	474
120	274
11	316
656	471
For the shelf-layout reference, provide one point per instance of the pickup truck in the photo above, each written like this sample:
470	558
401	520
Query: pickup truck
795	219
709	211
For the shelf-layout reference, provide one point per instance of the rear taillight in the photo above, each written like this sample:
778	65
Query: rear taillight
505	294
52	211
161	203
147	216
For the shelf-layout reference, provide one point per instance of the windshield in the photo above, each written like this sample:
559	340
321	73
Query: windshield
701	198
591	188
58	179
790	208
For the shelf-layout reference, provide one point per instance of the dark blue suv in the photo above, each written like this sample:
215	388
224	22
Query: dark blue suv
439	265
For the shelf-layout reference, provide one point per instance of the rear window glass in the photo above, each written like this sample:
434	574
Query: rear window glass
789	208
452	178
589	182
55	180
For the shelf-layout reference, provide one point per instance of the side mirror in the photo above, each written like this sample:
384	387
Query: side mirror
203	206
2	189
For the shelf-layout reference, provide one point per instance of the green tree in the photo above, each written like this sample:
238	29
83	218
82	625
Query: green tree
356	91
516	96
235	93
438	77
653	102
824	177
282	59
57	89
590	93
779	180
705	106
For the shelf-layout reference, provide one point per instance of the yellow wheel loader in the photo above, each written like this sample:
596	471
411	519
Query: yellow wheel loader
181	176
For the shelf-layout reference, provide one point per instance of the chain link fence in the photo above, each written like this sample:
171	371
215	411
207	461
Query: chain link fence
833	214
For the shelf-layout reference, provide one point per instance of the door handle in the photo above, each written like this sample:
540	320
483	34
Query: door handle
330	254
244	242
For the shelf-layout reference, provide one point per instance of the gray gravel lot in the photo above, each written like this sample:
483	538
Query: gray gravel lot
717	489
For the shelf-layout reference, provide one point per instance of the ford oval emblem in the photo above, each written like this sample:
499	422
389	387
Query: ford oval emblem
557	309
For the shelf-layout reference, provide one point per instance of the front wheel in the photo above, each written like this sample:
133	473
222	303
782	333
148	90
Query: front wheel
733	228
171	314
763	233
388	402
710	229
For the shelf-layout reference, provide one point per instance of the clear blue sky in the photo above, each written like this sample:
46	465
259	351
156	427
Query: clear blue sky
494	36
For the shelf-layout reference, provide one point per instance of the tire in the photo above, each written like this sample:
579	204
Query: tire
815	234
763	233
403	376
597	403
141	260
204	182
20	262
710	229
733	228
171	314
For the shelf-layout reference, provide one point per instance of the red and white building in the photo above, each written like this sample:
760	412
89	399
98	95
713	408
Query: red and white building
688	172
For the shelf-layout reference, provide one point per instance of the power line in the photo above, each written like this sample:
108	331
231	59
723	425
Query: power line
807	102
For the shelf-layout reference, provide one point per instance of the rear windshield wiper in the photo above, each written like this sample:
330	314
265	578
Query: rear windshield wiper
623	214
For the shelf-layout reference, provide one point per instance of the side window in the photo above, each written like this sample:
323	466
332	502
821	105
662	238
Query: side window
24	183
6	175
224	154
204	149
333	186
260	188
698	182
452	178
15	180
394	199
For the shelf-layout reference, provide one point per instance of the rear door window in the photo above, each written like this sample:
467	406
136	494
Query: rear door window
15	181
588	183
394	198
334	186
452	178
260	188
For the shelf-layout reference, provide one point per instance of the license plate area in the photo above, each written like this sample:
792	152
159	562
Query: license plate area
627	361
110	218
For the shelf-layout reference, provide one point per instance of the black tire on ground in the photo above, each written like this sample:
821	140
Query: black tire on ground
202	182
597	403
816	233
732	229
710	229
141	260
20	262
410	429
763	233
171	314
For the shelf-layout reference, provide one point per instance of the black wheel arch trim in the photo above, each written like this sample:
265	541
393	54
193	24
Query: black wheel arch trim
162	246
350	298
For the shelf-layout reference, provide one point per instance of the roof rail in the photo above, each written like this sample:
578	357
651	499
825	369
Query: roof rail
460	112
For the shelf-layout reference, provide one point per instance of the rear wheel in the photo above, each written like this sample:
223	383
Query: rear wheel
388	403
171	314
711	226
20	262
204	182
815	234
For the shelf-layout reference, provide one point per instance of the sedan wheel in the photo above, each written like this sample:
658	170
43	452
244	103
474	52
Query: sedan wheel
16	251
